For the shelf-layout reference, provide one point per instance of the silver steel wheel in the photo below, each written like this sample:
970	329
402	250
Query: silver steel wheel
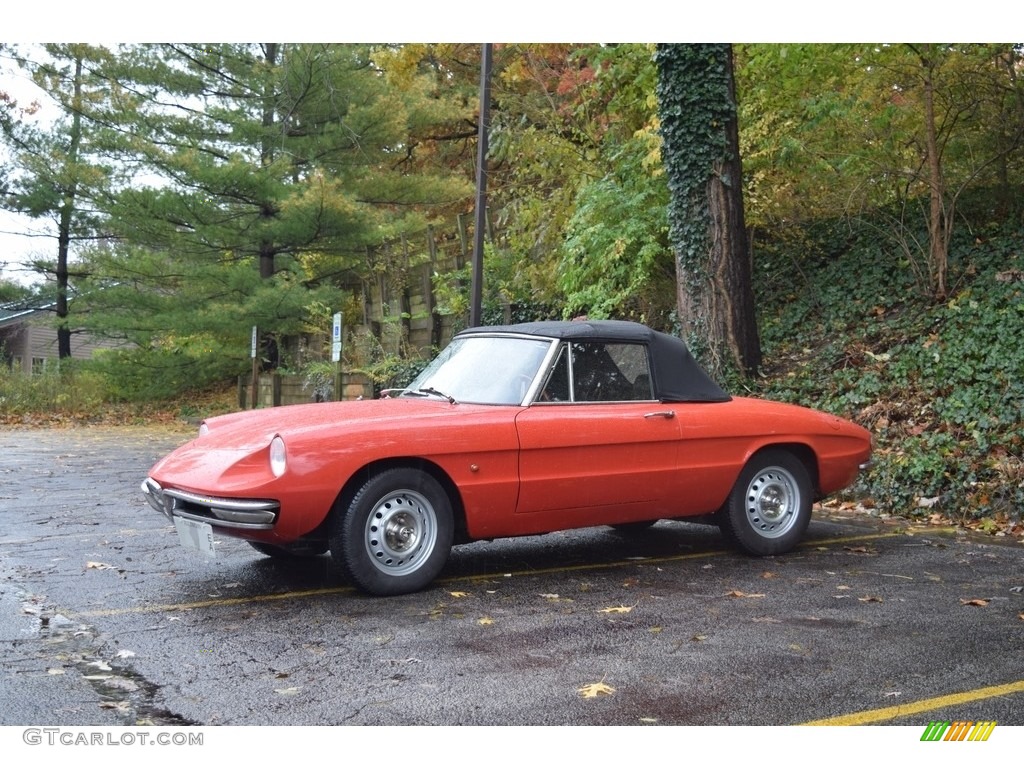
401	531
773	502
769	507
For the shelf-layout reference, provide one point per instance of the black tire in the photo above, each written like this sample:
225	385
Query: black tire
288	553
769	508
395	535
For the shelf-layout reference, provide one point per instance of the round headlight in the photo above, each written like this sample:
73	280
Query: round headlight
278	457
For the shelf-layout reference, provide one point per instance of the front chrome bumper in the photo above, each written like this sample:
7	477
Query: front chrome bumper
238	514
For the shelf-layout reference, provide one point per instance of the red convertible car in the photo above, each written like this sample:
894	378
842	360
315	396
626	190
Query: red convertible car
511	430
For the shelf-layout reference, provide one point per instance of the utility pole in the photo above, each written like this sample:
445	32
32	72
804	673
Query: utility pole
480	225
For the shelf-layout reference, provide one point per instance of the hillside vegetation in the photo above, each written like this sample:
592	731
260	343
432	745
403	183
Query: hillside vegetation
846	328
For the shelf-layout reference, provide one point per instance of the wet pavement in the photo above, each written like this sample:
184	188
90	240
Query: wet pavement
105	619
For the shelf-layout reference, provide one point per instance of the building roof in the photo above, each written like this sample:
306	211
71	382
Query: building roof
14	314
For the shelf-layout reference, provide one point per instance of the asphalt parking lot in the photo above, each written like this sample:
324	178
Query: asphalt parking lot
105	620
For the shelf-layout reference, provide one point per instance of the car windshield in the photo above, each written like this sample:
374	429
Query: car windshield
497	370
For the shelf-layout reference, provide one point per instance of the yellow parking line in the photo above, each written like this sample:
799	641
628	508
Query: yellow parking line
228	601
925	705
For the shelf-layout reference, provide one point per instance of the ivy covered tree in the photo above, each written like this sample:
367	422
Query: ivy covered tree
697	105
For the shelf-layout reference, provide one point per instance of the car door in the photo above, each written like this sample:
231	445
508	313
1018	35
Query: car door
596	448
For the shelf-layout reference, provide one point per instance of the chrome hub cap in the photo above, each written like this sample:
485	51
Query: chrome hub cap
773	502
400	532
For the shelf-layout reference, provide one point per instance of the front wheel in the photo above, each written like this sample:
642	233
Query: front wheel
769	508
395	535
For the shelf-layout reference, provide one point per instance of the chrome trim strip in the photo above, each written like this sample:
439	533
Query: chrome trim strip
217	523
235	505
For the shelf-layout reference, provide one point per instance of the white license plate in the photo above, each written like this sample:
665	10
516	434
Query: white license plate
195	536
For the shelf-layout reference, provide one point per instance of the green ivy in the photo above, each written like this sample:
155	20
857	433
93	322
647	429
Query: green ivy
694	108
941	385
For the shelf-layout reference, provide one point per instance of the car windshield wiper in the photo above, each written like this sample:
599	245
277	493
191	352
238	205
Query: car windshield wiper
437	393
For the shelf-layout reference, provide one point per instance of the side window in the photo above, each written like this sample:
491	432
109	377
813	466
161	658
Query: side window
610	372
556	389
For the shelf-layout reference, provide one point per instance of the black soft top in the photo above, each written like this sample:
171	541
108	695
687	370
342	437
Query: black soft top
677	377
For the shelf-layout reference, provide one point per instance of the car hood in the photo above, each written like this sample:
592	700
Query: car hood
255	428
234	454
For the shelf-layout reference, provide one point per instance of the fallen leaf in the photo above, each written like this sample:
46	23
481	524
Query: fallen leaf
92	564
549	595
737	593
100	665
459	594
485	621
768	575
870	599
617	609
594	690
55	671
766	620
977	601
861	550
699	638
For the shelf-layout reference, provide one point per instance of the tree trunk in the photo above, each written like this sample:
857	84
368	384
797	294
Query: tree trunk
268	250
714	292
938	244
731	272
66	219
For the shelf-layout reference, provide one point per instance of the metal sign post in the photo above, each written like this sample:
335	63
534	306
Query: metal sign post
255	367
336	353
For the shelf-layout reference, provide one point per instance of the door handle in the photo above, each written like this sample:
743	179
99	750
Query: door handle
663	414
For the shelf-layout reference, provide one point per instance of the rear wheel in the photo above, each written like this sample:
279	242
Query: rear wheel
769	508
395	535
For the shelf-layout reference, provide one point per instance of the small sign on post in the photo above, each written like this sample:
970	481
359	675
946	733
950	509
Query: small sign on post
336	338
336	353
255	368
